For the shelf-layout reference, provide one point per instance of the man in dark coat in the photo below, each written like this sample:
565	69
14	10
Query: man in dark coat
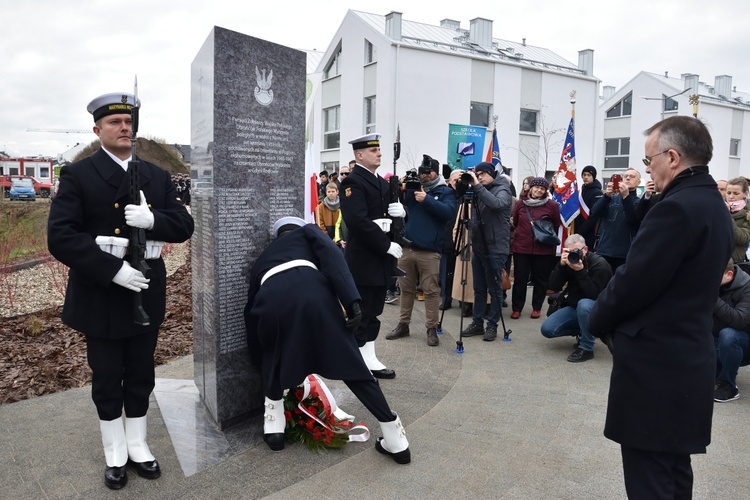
93	204
294	331
365	198
657	314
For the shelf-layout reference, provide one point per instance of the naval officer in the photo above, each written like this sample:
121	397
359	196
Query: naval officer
369	252
93	204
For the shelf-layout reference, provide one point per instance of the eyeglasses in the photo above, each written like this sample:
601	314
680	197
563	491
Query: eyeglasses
344	174
647	160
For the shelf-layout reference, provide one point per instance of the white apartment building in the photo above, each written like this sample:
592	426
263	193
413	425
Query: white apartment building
648	98
382	72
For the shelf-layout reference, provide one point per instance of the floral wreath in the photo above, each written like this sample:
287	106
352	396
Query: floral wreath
313	418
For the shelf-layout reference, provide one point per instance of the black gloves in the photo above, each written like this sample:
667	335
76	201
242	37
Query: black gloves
353	316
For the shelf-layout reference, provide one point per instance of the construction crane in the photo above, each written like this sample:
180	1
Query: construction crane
60	130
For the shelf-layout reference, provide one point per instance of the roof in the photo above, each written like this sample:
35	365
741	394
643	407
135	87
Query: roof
705	91
313	60
456	41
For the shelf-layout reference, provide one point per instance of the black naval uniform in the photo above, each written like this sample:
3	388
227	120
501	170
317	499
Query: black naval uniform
295	325
89	203
365	197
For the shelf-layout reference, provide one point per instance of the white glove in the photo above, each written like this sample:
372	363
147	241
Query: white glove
395	250
130	278
396	210
139	215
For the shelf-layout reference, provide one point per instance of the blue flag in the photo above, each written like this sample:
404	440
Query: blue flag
493	152
566	185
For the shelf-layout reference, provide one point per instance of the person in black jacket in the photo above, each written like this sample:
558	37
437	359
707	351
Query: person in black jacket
584	275
731	331
656	312
92	206
290	339
591	192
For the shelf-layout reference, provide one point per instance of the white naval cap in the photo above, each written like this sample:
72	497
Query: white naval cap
286	221
110	104
366	141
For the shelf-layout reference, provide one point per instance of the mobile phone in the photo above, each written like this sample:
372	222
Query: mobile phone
616	181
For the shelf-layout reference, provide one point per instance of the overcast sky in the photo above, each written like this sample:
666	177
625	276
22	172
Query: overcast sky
56	55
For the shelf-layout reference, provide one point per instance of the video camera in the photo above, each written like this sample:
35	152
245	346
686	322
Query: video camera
411	180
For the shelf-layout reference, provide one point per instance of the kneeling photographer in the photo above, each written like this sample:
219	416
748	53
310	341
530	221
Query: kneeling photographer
584	275
430	204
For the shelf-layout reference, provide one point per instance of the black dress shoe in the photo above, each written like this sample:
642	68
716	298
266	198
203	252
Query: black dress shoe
445	306
115	477
274	440
148	470
384	373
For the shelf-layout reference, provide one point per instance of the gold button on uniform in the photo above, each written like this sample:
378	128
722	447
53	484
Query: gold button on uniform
117	230
117	205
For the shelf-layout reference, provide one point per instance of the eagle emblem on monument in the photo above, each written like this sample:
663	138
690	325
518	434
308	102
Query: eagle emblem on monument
263	92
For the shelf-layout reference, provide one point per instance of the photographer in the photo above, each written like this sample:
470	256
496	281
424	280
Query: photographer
490	239
430	204
586	274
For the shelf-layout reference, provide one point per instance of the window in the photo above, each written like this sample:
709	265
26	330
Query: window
13	171
617	153
734	147
333	67
622	108
669	103
44	172
331	124
30	171
528	121
330	166
371	53
480	114
370	114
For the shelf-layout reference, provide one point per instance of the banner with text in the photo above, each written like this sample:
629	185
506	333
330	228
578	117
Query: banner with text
465	145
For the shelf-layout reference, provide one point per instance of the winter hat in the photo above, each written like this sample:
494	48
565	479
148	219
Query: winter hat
539	181
486	167
590	169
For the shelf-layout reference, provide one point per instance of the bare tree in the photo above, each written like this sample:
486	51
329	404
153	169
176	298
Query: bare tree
537	155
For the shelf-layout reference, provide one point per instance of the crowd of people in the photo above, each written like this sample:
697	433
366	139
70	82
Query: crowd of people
677	339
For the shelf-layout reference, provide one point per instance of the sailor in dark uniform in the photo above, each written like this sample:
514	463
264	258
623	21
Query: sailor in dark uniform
365	206
294	330
89	221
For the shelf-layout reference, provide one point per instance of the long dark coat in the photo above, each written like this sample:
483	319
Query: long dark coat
89	203
364	198
659	305
295	324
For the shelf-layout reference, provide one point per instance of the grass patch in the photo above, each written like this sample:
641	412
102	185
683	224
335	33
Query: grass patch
23	229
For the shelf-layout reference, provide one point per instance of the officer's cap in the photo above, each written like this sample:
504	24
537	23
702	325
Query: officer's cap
111	104
366	141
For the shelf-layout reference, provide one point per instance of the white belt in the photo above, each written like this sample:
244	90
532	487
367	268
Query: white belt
285	266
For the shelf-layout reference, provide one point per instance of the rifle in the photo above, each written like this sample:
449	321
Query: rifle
137	243
397	223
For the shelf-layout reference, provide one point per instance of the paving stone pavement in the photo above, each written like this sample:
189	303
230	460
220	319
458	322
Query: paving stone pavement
501	420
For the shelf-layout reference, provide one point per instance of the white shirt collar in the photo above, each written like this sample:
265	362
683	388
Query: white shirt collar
122	163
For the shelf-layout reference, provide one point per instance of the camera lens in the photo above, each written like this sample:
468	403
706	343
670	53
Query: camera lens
466	178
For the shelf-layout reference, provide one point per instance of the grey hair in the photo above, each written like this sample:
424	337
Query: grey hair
575	238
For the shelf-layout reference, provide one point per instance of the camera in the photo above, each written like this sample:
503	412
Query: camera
426	167
575	256
411	180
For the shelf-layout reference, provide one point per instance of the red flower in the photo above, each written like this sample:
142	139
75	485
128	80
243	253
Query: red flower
287	415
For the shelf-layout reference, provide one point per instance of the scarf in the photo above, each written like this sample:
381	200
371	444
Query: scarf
533	202
332	205
430	185
736	206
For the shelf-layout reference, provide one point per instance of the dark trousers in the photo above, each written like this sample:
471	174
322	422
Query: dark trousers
370	394
122	374
373	300
539	268
657	475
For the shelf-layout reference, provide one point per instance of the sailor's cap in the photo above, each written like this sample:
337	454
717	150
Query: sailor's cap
110	104
366	141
